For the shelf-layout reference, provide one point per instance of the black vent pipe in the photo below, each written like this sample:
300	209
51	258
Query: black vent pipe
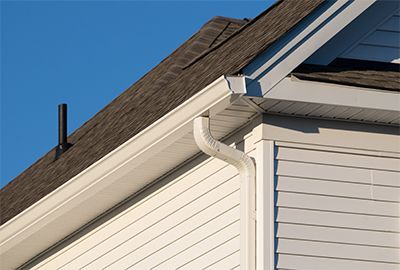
63	144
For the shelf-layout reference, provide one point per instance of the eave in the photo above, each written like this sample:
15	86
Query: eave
147	156
169	141
292	96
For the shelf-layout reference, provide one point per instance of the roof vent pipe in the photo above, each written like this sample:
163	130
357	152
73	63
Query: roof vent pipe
63	144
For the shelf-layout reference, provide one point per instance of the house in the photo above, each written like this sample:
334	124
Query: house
270	143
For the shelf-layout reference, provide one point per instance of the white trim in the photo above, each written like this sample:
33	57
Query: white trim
384	139
336	148
40	218
253	71
334	94
265	197
353	33
304	45
247	172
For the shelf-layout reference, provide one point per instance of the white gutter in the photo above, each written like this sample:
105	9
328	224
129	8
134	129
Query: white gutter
107	181
247	171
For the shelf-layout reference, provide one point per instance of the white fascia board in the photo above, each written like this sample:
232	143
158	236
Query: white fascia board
38	221
360	28
275	64
334	94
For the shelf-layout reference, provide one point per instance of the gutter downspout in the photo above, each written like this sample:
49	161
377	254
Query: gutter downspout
247	172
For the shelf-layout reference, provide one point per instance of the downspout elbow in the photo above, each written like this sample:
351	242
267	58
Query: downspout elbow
247	172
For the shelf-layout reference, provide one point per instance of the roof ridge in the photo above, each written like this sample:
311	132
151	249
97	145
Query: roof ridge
142	104
204	39
247	24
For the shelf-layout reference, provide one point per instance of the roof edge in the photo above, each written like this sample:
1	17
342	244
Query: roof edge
293	49
61	206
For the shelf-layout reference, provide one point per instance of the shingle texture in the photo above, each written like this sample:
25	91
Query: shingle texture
385	76
222	46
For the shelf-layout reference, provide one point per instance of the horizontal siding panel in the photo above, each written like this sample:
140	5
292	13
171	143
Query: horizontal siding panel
339	235
335	250
375	53
320	171
337	173
386	193
337	204
192	253
384	38
198	211
339	159
393	24
213	255
149	216
213	231
153	209
193	182
336	209
333	188
229	262
385	178
308	146
156	252
288	261
340	220
380	45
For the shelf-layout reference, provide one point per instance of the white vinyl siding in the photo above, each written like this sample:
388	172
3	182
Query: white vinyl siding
336	210
190	223
383	44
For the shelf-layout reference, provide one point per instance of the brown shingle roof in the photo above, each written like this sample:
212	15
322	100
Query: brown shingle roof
385	76
168	85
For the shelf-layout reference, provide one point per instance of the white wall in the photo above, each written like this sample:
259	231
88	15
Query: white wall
382	44
336	194
336	205
327	198
194	220
189	220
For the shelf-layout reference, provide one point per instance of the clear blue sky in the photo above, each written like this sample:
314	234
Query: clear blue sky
84	54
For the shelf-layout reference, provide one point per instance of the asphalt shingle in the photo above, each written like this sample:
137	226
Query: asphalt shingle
222	46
